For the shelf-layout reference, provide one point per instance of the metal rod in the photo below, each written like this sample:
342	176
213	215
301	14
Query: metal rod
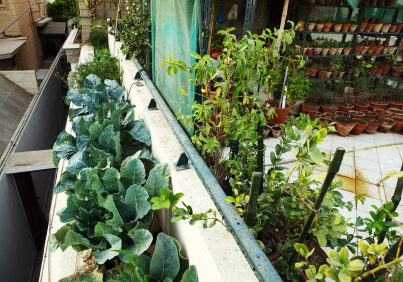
17	18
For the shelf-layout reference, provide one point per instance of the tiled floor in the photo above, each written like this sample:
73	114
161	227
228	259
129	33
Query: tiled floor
362	170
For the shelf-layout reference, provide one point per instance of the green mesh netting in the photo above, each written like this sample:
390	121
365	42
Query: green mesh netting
174	29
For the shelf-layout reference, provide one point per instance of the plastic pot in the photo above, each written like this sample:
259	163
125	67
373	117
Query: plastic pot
377	105
372	126
346	50
377	27
332	51
359	127
344	125
339	50
280	115
385	124
398	123
391	50
324	51
311	26
307	108
317	51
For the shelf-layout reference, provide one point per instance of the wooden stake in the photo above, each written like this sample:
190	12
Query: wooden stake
282	23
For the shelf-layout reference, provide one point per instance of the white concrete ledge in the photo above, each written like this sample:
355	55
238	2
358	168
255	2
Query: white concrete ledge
69	43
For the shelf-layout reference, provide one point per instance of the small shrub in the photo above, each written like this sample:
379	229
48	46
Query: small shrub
103	65
99	37
62	10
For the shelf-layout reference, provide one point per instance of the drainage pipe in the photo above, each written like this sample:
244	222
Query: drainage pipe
246	241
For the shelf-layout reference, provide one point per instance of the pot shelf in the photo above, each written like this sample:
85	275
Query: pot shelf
327	56
359	33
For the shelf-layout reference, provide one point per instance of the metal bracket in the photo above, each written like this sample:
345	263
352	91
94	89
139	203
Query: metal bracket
183	162
152	105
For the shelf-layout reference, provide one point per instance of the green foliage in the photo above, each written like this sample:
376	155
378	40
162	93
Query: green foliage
103	65
99	37
341	268
134	31
62	10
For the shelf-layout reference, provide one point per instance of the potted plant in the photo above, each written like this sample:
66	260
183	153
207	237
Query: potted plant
365	47
347	48
344	125
317	48
397	71
314	70
378	47
356	114
370	25
319	24
364	23
376	101
301	24
382	113
392	50
396	97
338	24
325	48
328	24
322	71
360	126
297	87
311	25
345	26
312	98
354	24
385	27
378	25
392	28
361	87
385	124
398	123
399	27
369	114
372	127
328	105
396	112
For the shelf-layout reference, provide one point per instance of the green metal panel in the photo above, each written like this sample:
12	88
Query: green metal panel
174	29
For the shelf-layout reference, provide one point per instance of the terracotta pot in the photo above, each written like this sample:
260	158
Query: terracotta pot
317	51
398	28
276	131
382	113
370	49
337	27
335	74
322	74
330	116
346	108
314	71
385	50
360	107
372	126
386	69
360	126
357	49
363	26
378	49
392	49
392	28
344	27
309	51
332	51
323	120
301	25
390	3
280	115
364	49
353	27
315	115
307	108
329	108
342	114
327	27
385	27
319	27
356	114
377	27
396	73
266	131
339	50
377	105
311	26
344	125
346	50
396	112
341	73
385	124
324	51
398	123
395	105
328	74
215	54
369	114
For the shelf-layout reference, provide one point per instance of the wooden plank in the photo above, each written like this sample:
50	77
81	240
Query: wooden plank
29	161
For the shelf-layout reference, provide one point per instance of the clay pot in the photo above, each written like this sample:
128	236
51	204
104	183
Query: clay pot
391	50
396	112
369	27
266	131
346	108
314	71
328	74
385	50
319	27
346	50
360	126
386	69
378	49
323	120
301	25
276	131
335	74
377	105
369	114
342	114
307	108
344	125
385	124
356	114
398	28
311	26
324	51
280	115
216	53
339	50
360	107
390	3
382	113
364	49
377	27
330	116
385	27
363	26
344	27
395	105
353	27
396	73
332	51
370	49
327	26
315	115
357	49
398	123
317	51
372	126
322	73
337	27
392	28
329	108
341	73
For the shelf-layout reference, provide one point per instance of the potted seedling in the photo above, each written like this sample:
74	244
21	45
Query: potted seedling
311	25
398	123
340	47
347	48
361	87
328	24
322	71
391	50
332	47
325	48
378	47
344	125
317	48
365	47
378	25
354	24
364	23
314	70
301	24
385	27
360	126
312	99
399	27
369	114
372	127
338	24
396	112
329	100
319	25
396	97
385	124
370	25
382	113
376	101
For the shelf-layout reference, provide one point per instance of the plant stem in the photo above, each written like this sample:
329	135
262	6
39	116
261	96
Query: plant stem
250	216
378	268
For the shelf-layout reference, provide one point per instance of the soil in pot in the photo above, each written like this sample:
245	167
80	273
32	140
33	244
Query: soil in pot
360	126
385	124
344	125
396	105
323	120
346	107
356	114
360	105
396	112
280	115
309	107
398	124
382	113
342	114
369	114
329	108
330	116
276	131
372	127
315	115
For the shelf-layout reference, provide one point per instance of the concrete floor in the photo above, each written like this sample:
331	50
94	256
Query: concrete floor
362	170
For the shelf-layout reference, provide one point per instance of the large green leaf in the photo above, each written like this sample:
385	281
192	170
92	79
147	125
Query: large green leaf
162	169
58	238
67	182
165	260
91	81
111	84
106	138
136	199
64	147
117	94
75	239
74	97
116	244
142	240
190	275
78	161
154	184
102	229
95	130
87	277
140	133
81	124
111	180
117	220
96	156
133	173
